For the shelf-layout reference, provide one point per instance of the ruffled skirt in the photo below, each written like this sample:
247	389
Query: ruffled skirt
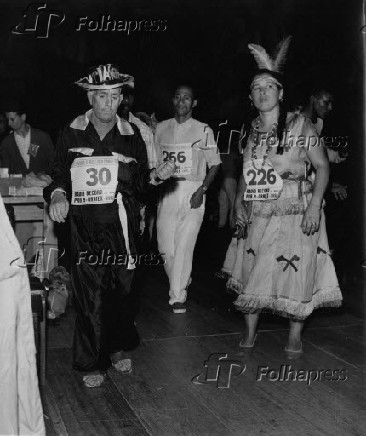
283	270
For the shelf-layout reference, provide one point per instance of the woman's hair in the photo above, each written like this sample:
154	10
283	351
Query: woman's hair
274	74
281	125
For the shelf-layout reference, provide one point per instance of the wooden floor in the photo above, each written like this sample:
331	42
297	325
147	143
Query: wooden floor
163	396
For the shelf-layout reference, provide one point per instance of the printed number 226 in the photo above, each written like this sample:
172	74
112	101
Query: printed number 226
180	158
103	176
265	176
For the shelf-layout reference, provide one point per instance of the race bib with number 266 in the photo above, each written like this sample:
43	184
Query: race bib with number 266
181	154
94	180
263	182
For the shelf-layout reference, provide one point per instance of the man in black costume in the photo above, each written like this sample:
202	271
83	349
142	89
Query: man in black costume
100	172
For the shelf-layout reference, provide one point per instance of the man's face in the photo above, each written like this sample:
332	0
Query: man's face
183	102
15	120
323	104
105	103
126	105
265	93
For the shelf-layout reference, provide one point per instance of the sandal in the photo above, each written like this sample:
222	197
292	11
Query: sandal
124	366
222	275
93	380
242	345
293	354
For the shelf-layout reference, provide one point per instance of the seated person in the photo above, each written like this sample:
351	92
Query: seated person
25	149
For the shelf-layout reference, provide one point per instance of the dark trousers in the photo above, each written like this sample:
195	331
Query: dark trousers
104	300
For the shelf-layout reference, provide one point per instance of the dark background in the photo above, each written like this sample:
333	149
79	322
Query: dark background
205	43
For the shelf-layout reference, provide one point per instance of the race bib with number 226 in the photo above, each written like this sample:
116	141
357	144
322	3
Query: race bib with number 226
263	182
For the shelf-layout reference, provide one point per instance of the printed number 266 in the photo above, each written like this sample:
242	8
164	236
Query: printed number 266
103	176
180	158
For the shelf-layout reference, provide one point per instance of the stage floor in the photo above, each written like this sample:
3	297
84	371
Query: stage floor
191	378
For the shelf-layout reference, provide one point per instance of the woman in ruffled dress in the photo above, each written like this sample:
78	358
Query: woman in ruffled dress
286	266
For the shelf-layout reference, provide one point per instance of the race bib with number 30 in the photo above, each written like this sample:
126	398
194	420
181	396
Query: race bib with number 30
181	154
263	182
94	180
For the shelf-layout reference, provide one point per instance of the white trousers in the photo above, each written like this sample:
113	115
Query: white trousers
20	406
177	229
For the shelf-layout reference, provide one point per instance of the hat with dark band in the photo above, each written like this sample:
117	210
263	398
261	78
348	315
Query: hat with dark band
105	77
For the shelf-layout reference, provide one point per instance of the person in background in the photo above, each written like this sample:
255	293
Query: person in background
318	109
231	160
180	212
148	210
26	149
125	111
232	165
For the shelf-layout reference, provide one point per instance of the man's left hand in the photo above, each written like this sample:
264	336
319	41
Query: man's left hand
197	198
333	156
339	191
165	170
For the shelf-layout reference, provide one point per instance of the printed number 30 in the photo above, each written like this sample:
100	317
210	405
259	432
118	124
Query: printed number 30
171	155
103	176
265	176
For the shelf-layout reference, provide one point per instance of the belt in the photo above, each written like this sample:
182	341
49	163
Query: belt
183	179
123	218
306	186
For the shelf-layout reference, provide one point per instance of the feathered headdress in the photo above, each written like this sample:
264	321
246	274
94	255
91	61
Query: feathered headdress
265	61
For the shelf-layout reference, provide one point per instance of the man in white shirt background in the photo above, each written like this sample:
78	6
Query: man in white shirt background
191	145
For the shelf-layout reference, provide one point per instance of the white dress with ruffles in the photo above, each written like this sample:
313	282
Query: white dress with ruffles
283	270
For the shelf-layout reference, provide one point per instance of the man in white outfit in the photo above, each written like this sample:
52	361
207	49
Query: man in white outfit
191	145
